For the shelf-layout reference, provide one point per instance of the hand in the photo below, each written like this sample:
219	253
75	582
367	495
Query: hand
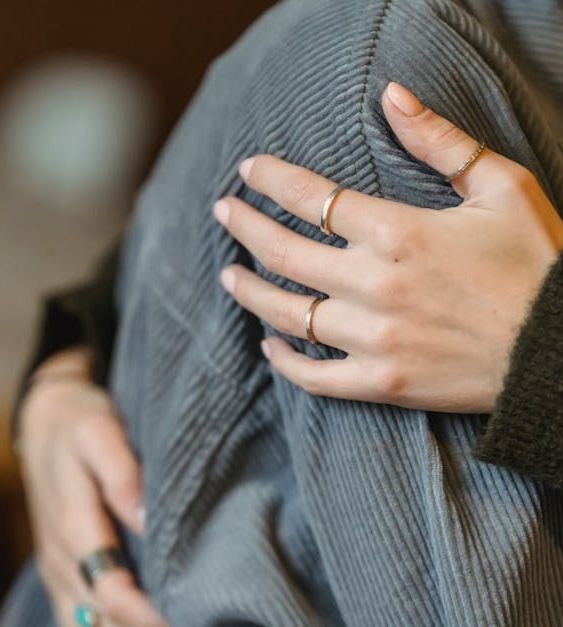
427	304
76	463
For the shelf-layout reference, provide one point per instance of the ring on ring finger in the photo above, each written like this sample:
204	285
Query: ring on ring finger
86	616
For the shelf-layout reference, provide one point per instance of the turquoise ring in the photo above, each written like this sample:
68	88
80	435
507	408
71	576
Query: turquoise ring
86	616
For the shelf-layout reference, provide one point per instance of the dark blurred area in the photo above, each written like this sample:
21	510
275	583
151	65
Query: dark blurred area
88	92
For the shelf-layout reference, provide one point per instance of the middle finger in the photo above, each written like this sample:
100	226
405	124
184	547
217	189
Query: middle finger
282	251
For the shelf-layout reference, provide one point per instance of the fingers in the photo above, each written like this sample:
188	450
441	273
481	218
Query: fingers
279	249
303	193
109	458
86	527
437	141
286	311
61	579
337	378
123	602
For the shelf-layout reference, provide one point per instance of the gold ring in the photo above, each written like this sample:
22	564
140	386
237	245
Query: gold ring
467	163
325	214
309	320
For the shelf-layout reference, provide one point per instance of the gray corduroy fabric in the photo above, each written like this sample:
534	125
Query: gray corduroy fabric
265	505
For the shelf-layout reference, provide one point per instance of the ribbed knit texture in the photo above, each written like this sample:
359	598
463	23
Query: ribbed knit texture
265	505
525	431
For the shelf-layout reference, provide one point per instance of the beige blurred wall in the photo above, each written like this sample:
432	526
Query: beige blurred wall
44	245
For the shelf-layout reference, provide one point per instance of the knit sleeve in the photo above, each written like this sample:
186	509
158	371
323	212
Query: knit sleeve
525	430
80	314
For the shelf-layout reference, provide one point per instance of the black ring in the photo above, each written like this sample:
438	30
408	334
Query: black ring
100	561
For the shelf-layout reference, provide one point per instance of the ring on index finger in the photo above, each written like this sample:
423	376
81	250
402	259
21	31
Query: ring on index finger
327	207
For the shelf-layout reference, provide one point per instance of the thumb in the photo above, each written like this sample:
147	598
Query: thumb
436	141
109	458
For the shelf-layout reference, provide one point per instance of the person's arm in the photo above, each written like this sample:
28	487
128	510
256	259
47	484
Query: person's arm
525	430
79	472
82	314
436	319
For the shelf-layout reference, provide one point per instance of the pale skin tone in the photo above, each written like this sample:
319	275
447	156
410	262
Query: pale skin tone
426	304
78	467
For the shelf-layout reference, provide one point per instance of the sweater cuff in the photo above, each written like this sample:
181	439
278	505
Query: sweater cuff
525	430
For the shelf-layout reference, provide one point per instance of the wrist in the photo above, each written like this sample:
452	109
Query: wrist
67	366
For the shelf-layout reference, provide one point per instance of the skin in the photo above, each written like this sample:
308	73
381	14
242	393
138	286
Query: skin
436	299
77	468
426	304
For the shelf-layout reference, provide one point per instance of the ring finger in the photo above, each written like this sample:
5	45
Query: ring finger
65	587
286	311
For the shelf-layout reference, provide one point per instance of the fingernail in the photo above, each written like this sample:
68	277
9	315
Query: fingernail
266	349
228	279
245	167
221	211
404	100
141	514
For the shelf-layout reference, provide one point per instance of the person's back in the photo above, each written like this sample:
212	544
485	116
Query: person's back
266	505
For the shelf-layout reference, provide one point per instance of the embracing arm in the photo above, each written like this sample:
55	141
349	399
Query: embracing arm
82	314
79	473
525	430
437	298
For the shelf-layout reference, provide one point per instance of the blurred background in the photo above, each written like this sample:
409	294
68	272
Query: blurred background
88	92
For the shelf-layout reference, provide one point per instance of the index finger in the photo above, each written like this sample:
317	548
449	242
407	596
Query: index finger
303	193
87	528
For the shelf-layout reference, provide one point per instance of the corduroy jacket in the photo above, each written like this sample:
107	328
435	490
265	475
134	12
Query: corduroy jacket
266	505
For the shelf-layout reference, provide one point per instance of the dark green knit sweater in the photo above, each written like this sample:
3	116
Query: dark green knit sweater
524	432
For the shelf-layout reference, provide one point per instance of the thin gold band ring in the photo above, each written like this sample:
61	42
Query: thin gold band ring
327	206
309	320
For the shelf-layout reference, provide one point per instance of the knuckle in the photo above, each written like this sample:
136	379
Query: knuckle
86	428
391	383
393	239
284	318
276	256
521	178
444	135
299	188
386	289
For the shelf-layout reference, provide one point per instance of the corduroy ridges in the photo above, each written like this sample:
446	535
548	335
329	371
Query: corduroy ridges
268	506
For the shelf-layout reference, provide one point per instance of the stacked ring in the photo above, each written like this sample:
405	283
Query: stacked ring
478	151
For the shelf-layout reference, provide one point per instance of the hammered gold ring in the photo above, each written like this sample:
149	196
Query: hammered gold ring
467	163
